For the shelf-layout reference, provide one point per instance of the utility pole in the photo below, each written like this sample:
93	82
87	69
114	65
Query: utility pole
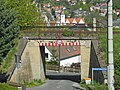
59	44
94	24
110	47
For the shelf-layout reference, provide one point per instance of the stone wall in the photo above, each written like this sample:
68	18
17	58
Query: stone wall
85	58
31	66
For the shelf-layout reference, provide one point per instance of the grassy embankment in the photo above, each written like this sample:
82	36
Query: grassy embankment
8	60
5	86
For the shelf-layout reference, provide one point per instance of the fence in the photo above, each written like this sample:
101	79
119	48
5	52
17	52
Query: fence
63	69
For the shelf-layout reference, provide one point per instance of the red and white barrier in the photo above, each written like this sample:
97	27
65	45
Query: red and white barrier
56	44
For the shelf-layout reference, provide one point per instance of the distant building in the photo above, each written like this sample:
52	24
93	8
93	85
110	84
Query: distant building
117	12
71	20
68	54
74	21
62	18
102	8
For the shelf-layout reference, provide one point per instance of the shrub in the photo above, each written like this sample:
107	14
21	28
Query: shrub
33	83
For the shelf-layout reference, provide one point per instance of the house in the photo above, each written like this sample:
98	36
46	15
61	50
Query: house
46	7
58	7
94	8
102	8
117	12
71	20
68	54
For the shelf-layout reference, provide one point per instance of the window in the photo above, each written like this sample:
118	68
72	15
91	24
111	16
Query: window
68	50
46	55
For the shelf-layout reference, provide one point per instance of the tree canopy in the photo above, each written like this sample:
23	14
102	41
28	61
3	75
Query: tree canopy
116	4
26	11
8	29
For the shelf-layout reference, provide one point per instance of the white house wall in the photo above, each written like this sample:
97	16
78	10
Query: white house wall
62	18
49	54
74	21
69	61
65	62
81	22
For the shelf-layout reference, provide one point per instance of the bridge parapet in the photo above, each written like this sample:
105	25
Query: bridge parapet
86	43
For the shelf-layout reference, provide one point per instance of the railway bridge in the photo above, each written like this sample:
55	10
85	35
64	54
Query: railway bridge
30	58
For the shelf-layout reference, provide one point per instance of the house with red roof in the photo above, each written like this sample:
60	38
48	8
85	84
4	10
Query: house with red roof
67	21
117	12
74	21
68	54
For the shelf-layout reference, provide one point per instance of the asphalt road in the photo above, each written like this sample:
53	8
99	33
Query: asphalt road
55	85
59	81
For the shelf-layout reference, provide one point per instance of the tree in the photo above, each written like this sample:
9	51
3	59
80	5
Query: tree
8	29
54	56
26	11
116	4
66	12
53	12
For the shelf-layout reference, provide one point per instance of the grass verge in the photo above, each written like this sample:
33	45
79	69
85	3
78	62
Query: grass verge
95	86
33	83
5	86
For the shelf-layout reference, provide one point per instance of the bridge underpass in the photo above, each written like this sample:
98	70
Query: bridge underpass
56	72
33	60
32	56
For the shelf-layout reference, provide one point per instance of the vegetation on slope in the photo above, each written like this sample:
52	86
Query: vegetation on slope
116	40
8	30
8	60
13	14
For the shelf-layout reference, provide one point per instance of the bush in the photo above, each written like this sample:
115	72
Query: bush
5	86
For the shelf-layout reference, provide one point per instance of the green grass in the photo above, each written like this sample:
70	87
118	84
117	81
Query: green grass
33	83
95	86
116	45
116	50
9	58
5	86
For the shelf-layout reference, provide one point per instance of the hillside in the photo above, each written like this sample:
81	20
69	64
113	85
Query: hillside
116	40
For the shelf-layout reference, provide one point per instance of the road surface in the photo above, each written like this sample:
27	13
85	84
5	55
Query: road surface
59	81
55	85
